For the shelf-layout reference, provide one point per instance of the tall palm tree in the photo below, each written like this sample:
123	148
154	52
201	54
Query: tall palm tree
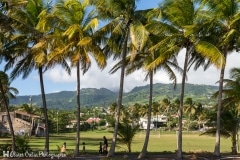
225	21
33	53
75	22
232	99
6	94
180	24
140	61
166	66
124	25
231	105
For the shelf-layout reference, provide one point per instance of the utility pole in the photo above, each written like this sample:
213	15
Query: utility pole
30	133
57	122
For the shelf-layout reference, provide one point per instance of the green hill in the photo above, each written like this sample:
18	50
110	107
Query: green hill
66	100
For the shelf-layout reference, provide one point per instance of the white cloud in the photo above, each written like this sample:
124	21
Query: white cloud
212	74
59	75
95	78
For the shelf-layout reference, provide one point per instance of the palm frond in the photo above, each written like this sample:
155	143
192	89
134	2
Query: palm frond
211	52
212	132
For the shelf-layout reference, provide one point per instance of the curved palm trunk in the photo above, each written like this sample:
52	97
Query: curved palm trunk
129	147
44	110
8	117
144	149
180	110
78	112
234	142
120	94
217	144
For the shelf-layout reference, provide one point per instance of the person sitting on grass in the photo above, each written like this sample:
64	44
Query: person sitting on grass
63	148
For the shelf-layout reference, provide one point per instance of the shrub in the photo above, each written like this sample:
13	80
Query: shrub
22	144
5	147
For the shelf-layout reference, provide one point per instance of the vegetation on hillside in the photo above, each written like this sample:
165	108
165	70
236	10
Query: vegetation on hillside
92	97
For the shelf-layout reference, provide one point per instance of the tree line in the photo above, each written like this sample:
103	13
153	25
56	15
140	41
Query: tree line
38	35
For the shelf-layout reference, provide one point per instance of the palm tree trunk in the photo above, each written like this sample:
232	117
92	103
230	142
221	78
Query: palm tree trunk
9	118
234	142
180	110
78	112
217	144
120	94
44	111
143	153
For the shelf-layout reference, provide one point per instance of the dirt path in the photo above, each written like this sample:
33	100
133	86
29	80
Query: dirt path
134	157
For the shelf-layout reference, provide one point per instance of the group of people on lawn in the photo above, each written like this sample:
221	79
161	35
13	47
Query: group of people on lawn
103	148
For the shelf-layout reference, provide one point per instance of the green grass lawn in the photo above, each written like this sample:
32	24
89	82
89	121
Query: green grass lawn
158	142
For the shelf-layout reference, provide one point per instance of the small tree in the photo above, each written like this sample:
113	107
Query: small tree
229	126
126	133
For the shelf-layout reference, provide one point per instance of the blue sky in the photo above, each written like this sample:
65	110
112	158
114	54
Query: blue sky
56	80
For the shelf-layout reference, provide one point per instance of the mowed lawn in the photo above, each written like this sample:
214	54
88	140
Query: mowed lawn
159	142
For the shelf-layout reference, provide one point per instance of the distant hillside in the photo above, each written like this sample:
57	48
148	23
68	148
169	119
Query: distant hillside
89	97
197	92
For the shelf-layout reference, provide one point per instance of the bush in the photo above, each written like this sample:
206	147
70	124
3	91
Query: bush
4	135
22	144
193	125
102	122
5	147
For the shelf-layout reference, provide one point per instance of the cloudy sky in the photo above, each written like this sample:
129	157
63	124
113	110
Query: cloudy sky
56	80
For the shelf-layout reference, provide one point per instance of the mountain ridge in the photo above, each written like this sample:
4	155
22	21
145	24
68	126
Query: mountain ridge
90	97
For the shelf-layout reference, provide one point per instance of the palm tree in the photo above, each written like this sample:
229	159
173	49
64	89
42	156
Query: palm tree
126	133
155	111
231	104
190	109
180	24
9	24
231	87
6	94
135	111
166	105
224	20
34	50
229	124
141	60
77	25
124	26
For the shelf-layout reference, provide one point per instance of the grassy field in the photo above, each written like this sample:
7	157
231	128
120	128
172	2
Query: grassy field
159	142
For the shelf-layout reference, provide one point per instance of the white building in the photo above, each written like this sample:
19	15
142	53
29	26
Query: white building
143	123
155	120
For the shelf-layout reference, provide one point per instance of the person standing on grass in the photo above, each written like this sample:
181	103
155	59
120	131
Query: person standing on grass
105	145
84	148
100	148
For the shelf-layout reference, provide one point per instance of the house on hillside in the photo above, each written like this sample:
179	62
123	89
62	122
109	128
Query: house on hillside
23	123
93	120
